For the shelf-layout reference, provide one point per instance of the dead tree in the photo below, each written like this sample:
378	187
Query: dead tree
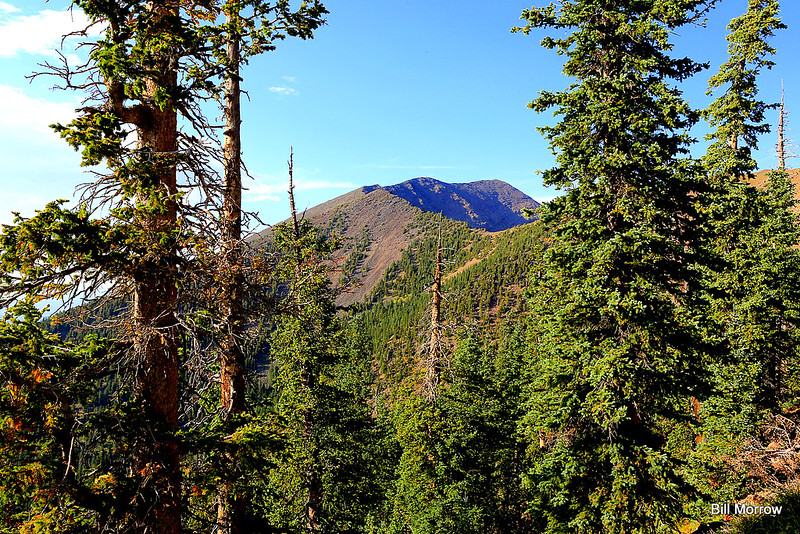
230	508
782	132
432	354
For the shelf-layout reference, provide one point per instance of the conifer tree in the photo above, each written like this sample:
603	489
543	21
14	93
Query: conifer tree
42	378
455	417
737	115
753	318
243	35
752	302
133	89
152	63
328	476
615	347
781	146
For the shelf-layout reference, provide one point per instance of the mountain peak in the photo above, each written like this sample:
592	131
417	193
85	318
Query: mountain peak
492	205
377	223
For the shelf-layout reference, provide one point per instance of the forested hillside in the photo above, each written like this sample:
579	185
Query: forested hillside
483	280
374	225
419	358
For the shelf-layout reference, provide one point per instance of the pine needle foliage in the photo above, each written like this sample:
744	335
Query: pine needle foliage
751	307
738	115
328	476
615	347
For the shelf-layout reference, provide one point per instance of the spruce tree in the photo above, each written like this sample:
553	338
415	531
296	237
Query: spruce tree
615	348
138	239
753	318
456	420
328	474
738	115
752	305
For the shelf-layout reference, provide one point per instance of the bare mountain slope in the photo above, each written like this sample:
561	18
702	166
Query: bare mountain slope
376	224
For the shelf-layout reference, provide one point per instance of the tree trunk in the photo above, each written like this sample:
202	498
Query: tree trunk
232	369
154	306
432	362
781	138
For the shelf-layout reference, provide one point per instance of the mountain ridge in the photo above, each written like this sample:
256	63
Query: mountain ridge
492	205
376	223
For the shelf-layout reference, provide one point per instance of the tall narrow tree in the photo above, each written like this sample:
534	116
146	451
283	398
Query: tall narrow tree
615	346
138	59
738	115
781	147
751	299
243	35
232	365
136	81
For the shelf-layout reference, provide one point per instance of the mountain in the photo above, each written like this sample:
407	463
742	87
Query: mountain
376	224
489	204
485	275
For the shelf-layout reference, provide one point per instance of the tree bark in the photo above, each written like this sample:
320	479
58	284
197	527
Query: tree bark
781	138
154	306
432	362
230	509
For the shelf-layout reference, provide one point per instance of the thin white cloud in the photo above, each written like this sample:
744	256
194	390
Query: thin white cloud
301	185
283	90
304	185
270	191
7	8
262	198
414	167
29	117
290	79
38	34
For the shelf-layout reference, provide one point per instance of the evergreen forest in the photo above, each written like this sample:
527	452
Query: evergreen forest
628	362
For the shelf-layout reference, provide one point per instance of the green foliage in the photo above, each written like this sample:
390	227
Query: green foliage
737	113
567	412
481	291
615	348
139	243
751	308
752	324
332	464
259	26
460	471
64	457
356	257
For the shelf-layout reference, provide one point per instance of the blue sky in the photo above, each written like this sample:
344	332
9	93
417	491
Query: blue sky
387	91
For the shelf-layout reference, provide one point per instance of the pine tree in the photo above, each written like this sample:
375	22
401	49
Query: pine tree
751	302
243	36
135	240
455	417
615	347
329	475
753	318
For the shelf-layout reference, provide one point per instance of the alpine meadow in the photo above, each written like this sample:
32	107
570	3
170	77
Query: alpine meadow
417	357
